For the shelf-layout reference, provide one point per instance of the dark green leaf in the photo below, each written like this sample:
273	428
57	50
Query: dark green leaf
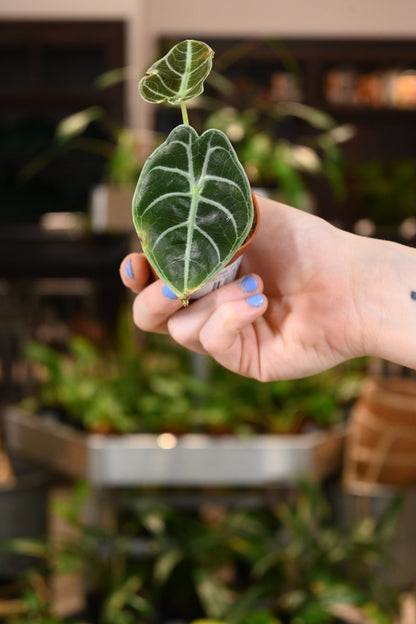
178	76
192	208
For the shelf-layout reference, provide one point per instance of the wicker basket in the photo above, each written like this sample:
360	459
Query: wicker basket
381	441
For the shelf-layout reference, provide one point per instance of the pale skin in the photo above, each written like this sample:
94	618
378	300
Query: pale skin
318	296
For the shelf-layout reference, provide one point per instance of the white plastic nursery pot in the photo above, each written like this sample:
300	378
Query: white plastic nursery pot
229	272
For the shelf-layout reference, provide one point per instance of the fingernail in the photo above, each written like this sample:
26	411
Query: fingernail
248	283
129	270
255	300
168	292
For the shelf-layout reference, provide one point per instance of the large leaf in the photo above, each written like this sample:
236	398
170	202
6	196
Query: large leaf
178	76
192	208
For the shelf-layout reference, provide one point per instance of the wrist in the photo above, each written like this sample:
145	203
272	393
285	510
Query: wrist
383	279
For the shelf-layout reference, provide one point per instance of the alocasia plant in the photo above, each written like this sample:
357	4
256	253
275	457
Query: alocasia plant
192	207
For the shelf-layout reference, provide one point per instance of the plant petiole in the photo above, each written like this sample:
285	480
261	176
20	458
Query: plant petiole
184	114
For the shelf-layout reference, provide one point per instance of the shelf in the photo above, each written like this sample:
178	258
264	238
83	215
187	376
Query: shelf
30	252
45	64
370	114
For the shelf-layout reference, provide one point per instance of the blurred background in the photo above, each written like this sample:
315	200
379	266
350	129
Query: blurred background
319	100
349	158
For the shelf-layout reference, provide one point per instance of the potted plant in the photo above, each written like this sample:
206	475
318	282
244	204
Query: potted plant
124	151
283	562
134	415
192	207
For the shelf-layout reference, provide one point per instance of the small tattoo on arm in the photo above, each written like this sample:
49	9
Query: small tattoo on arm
413	295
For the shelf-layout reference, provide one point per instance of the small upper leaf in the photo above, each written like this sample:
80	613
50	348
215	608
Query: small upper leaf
192	208
178	76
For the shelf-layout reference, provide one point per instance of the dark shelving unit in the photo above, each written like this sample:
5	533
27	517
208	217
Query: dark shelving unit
383	129
48	70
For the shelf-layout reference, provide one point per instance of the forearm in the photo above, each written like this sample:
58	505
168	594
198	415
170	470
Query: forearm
385	289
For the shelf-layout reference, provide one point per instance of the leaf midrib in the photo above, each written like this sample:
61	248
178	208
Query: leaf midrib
196	186
196	191
186	74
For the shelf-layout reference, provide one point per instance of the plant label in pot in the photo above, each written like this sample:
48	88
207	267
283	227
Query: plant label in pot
192	207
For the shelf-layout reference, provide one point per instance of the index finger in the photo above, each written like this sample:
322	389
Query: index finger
153	307
135	272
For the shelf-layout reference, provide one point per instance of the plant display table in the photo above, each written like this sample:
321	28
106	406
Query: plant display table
168	460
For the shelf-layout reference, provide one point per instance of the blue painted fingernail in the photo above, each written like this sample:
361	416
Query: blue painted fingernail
248	284
129	270
256	300
168	292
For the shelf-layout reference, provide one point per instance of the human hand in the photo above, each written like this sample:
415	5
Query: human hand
293	313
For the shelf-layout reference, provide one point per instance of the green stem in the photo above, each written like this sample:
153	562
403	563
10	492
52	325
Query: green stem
184	114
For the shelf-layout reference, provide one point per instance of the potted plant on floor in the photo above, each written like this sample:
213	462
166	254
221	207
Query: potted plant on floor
157	563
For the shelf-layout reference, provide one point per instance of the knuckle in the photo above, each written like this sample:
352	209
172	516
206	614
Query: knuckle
146	313
139	318
180	331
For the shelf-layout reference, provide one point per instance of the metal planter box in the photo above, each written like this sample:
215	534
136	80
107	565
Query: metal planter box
164	460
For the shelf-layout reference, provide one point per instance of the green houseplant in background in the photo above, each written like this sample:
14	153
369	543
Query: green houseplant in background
387	191
153	388
181	429
280	166
192	207
120	389
289	563
282	142
123	151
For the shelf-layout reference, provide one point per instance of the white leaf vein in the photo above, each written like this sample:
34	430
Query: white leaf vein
176	170
161	236
161	198
211	241
172	68
228	213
